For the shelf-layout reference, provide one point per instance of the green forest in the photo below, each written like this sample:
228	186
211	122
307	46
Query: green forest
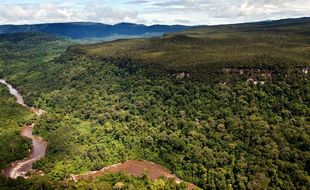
128	100
13	147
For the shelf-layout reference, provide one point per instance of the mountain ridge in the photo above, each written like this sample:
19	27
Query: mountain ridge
81	30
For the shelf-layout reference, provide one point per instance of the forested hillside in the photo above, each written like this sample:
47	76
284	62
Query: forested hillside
130	100
204	52
12	116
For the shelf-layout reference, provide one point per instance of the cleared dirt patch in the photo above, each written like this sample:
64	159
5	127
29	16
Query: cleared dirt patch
135	168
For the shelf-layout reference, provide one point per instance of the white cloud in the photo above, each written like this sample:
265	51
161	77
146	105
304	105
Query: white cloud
101	13
264	9
228	11
46	13
152	12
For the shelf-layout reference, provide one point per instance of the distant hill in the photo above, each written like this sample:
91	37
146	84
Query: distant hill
205	51
80	30
290	24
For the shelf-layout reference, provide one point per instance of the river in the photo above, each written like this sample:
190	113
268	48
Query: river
38	149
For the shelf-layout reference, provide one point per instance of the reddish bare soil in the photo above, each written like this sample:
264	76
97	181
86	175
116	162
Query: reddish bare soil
132	167
135	168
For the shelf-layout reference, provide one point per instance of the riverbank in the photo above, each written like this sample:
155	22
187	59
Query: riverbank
39	146
38	150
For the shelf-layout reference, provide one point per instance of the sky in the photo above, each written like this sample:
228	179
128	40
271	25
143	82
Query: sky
186	12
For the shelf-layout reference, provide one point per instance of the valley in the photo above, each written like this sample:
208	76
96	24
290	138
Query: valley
38	149
182	101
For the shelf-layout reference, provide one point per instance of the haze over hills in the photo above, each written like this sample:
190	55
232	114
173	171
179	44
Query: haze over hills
88	30
80	30
220	107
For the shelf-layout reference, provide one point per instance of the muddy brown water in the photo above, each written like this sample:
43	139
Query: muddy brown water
38	151
14	92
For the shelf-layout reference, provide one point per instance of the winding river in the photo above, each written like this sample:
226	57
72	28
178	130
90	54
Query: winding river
38	149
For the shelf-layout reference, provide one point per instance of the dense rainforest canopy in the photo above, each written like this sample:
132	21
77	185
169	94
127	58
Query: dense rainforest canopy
221	107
